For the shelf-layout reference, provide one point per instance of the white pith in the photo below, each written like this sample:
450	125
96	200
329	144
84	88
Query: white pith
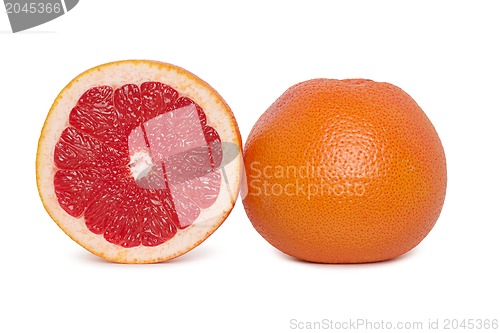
140	164
115	75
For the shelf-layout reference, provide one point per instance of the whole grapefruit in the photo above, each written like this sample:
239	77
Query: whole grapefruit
344	171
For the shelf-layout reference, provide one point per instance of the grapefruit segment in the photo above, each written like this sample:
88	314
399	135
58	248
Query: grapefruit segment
129	165
96	115
75	188
77	150
157	98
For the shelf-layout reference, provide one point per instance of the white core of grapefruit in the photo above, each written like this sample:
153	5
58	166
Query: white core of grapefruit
117	74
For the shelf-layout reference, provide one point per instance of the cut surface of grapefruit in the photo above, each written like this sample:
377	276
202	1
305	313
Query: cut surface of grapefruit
139	161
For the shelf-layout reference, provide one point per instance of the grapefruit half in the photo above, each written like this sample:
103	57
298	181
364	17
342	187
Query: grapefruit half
139	161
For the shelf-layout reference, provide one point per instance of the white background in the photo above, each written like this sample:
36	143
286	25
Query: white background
445	54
